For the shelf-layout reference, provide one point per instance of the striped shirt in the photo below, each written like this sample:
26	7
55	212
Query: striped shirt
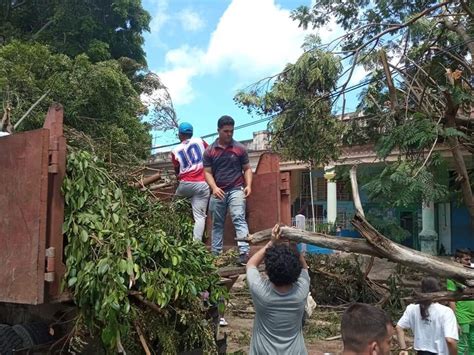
227	164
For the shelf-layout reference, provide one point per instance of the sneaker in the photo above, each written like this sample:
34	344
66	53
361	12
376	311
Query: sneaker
223	322
243	258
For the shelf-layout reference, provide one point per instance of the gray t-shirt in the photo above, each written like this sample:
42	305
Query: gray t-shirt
277	328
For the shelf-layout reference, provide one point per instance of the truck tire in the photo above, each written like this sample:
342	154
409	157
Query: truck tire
9	340
24	335
33	333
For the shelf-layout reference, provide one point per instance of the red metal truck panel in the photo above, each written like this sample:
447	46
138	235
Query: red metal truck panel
267	205
263	205
23	201
57	171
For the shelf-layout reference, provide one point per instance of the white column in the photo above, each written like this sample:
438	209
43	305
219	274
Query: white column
428	236
329	175
300	221
444	225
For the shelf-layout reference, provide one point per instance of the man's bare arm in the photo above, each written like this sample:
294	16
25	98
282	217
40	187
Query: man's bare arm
248	177
401	340
216	191
452	346
257	258
303	262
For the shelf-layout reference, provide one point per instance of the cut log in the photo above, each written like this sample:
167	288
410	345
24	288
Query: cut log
228	271
160	186
350	245
147	181
379	246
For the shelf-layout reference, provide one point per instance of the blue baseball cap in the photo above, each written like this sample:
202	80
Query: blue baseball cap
185	128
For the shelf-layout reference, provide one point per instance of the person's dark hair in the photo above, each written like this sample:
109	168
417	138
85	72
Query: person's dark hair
362	324
428	285
225	121
186	135
461	252
282	264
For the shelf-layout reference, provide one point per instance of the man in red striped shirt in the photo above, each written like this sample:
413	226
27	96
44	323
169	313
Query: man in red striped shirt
187	162
229	175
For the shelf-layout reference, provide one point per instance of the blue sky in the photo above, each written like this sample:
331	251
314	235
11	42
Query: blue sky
206	50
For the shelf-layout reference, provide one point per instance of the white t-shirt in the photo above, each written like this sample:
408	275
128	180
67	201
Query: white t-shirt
431	333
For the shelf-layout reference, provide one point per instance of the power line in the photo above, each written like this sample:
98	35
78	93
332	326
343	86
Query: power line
248	124
329	96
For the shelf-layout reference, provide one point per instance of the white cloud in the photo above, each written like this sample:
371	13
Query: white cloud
185	56
253	39
178	82
160	16
190	20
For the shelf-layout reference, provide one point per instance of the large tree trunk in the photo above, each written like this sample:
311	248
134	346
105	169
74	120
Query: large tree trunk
147	180
450	116
413	258
376	245
349	245
459	162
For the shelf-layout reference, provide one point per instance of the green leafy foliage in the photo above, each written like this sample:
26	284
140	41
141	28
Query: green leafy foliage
388	226
102	29
120	241
425	104
98	99
396	186
303	127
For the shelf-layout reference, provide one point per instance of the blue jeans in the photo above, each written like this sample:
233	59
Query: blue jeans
234	201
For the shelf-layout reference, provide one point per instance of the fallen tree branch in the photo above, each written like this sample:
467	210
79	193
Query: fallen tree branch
404	255
467	294
147	303
146	181
228	271
379	246
31	109
355	190
142	338
410	257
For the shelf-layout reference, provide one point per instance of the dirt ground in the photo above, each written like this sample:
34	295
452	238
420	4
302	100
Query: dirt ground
321	331
240	314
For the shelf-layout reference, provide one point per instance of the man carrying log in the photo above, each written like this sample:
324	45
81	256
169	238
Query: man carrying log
279	300
187	160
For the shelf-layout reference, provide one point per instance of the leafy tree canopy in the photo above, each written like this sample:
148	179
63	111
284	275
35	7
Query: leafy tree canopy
417	95
298	101
98	98
102	29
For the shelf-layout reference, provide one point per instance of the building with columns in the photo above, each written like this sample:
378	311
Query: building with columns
324	200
